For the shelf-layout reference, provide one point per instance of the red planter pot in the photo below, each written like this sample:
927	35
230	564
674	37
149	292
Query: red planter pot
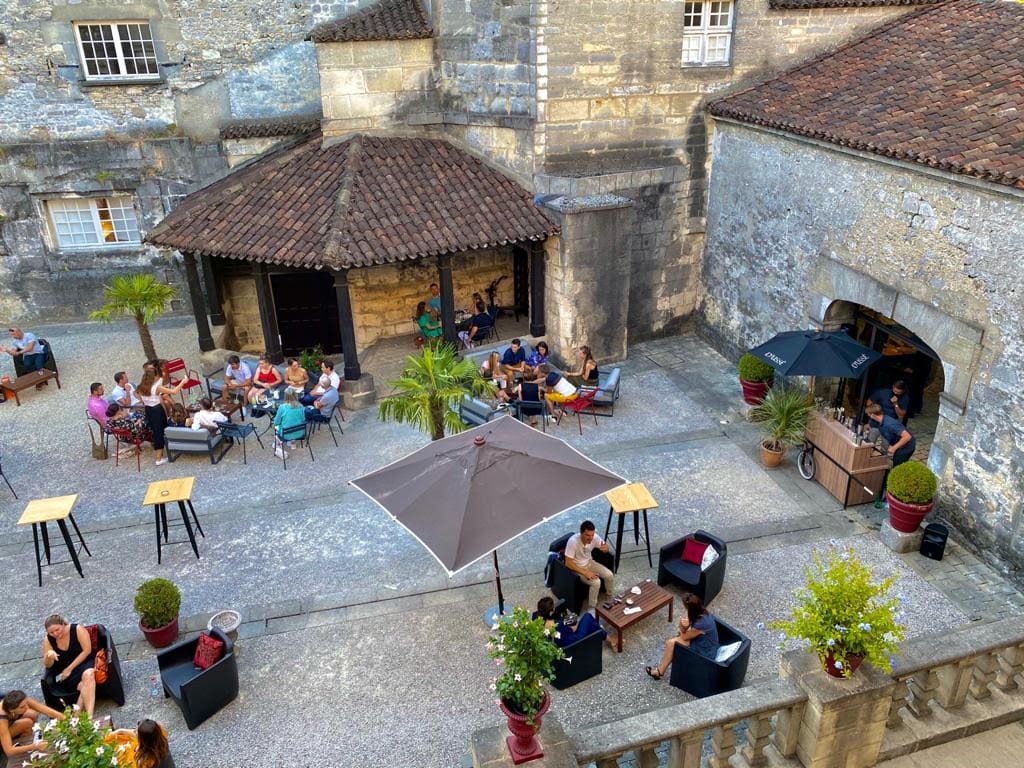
905	517
523	744
850	663
754	391
163	636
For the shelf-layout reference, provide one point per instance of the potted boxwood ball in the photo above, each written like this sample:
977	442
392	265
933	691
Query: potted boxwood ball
910	492
756	378
157	602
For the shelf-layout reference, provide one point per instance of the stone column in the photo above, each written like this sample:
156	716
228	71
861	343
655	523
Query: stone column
357	392
587	277
537	325
268	314
195	291
444	281
214	292
844	720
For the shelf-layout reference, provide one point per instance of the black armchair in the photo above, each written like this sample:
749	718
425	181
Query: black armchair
48	362
582	659
199	692
59	697
701	676
704	584
565	582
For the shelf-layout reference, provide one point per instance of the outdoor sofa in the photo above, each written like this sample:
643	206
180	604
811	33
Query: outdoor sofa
215	380
187	440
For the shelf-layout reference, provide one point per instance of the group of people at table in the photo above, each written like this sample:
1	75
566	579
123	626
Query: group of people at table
142	413
69	661
696	628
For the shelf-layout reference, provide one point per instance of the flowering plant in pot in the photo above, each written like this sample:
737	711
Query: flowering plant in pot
910	491
756	378
77	741
844	615
524	649
782	417
157	602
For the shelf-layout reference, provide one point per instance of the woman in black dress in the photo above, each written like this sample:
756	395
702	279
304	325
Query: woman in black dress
68	657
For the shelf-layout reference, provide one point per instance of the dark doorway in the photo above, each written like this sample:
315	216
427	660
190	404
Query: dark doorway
520	282
307	313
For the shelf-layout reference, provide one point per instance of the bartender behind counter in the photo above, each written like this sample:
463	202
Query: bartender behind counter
894	401
901	443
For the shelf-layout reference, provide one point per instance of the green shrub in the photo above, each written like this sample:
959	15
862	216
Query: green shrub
782	416
157	602
912	483
755	369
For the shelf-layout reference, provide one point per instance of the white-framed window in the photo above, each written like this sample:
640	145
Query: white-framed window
707	32
93	222
117	50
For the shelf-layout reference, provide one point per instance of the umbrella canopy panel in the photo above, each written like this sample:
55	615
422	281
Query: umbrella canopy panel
464	497
816	353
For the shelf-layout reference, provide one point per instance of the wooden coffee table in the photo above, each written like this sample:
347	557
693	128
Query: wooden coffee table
30	379
651	599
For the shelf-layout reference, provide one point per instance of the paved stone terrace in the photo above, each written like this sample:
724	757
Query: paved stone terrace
349	623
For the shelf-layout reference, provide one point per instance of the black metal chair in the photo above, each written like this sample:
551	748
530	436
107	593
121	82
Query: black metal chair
299	433
199	692
673	569
238	433
318	419
532	404
11	487
565	582
701	676
59	697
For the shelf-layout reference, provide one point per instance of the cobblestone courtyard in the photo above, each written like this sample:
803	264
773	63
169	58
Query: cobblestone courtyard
355	647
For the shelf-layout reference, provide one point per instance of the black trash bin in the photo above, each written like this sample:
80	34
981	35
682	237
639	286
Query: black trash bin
933	543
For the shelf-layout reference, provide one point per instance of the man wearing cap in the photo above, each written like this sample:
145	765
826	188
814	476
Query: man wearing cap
26	346
901	442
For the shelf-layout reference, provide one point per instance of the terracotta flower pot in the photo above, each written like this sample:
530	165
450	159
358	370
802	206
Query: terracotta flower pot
770	457
904	516
754	391
161	636
523	744
850	663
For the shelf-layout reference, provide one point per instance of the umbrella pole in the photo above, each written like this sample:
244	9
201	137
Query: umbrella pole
495	612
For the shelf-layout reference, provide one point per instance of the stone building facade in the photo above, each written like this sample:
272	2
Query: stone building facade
568	98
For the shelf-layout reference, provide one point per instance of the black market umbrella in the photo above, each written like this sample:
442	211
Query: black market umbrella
816	353
464	496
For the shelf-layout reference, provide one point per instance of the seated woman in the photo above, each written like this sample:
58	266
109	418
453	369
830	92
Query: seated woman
429	327
68	657
17	719
587	375
491	367
289	416
152	751
296	377
529	391
696	630
264	379
134	422
557	389
537	358
178	417
564	634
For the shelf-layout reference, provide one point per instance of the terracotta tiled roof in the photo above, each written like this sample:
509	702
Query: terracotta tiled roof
943	86
387	20
798	4
366	200
258	128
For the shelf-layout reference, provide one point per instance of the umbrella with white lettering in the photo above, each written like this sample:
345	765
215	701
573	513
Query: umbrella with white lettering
816	353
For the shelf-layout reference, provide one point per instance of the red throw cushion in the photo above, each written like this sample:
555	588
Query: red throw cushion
208	651
693	550
94	635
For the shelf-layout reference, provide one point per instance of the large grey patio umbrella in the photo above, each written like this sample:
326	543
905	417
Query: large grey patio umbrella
464	496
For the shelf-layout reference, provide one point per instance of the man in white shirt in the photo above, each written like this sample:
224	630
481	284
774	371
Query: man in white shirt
578	552
124	391
206	417
237	377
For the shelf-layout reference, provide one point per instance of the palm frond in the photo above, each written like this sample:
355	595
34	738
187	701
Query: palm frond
140	296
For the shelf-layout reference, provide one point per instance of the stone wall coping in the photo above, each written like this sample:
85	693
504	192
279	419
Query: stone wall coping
938	650
632	733
587	203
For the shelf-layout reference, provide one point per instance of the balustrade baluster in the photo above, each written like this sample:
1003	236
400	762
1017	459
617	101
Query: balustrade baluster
685	751
899	700
759	731
608	762
1011	662
648	757
723	745
922	690
954	683
787	730
984	673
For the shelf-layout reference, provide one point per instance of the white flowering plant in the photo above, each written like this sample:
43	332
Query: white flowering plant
525	653
842	611
77	741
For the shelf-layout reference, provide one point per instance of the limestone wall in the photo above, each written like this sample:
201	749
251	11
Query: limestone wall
384	298
373	84
242	313
794	226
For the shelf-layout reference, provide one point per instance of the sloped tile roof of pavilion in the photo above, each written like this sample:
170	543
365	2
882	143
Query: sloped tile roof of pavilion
362	201
386	20
942	86
270	127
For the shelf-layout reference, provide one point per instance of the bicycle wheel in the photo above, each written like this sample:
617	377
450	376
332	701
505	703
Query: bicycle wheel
805	462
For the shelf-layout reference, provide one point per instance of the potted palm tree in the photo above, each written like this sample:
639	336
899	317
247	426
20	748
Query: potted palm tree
157	602
430	389
139	297
910	491
524	649
782	417
756	378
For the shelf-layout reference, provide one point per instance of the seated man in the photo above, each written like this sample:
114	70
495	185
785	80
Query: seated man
558	389
124	391
514	358
26	346
97	406
206	417
479	327
323	406
325	382
237	378
578	558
